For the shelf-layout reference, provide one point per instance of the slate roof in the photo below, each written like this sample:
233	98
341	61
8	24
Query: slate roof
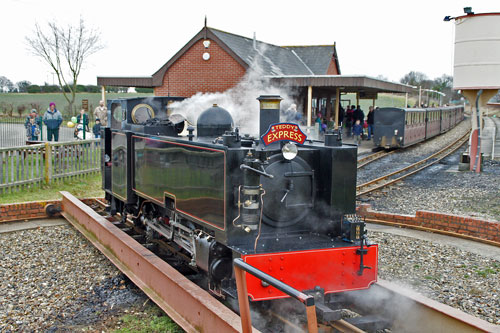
316	57
274	60
278	60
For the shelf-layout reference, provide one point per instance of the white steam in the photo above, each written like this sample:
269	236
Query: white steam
240	101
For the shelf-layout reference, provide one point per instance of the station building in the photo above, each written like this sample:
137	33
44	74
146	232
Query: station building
214	61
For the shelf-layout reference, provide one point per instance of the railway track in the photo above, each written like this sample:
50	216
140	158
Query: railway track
373	157
398	175
382	306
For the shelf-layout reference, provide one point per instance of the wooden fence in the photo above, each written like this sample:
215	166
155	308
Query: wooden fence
31	166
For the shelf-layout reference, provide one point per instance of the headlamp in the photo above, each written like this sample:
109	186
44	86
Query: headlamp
289	151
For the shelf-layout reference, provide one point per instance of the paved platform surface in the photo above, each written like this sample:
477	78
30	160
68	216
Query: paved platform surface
490	138
365	148
31	224
481	249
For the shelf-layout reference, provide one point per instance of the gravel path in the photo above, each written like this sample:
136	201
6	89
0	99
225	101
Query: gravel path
438	188
53	279
449	275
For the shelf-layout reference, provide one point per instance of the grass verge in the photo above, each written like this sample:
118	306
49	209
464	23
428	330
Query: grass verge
82	187
151	320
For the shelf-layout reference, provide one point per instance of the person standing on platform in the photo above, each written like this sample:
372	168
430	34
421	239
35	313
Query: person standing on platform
341	116
359	115
82	124
52	119
349	120
101	112
357	129
369	120
97	129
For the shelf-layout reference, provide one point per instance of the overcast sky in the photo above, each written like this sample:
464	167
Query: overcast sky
388	38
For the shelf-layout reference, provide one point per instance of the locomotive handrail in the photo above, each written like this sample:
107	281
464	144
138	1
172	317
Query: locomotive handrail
262	173
246	323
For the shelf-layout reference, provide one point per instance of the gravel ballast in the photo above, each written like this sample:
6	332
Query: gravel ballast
440	188
53	279
447	274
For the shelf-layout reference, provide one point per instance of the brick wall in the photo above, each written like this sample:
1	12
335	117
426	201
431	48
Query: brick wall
332	68
29	210
469	226
191	74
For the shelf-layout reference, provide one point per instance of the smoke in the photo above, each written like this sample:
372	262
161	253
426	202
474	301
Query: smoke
241	100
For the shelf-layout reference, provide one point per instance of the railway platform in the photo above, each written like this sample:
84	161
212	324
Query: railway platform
490	138
366	146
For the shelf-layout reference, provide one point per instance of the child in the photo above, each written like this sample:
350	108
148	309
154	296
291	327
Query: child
32	130
357	129
97	129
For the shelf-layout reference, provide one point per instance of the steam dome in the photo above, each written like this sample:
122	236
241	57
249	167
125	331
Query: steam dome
214	121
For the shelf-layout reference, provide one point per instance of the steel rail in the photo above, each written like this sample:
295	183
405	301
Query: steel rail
446	151
344	326
373	157
413	312
187	304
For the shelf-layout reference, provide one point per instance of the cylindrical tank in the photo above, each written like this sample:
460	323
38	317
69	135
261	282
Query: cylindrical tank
477	52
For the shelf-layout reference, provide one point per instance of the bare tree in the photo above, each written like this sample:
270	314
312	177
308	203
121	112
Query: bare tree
65	50
6	84
414	78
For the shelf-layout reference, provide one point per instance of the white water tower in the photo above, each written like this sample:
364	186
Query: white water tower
476	70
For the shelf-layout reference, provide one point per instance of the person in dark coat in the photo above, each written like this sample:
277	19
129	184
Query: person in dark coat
52	119
359	115
369	120
357	129
349	120
341	115
97	128
32	130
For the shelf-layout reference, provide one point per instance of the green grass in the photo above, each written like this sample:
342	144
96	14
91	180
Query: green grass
151	320
43	100
82	187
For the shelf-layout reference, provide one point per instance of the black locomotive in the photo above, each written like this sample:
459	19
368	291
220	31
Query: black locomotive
215	194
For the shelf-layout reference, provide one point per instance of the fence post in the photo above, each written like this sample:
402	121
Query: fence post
48	163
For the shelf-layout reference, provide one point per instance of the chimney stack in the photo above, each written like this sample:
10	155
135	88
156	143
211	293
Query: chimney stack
269	111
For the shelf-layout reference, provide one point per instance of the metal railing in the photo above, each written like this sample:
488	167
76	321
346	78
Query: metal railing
240	267
31	166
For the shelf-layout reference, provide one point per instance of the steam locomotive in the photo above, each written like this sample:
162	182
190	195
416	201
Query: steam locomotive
283	203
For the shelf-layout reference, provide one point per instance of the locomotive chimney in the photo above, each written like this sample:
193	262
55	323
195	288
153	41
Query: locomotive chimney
269	111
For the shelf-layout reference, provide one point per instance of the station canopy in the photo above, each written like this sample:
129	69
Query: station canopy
365	86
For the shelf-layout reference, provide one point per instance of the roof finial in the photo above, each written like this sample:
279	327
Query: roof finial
205	27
